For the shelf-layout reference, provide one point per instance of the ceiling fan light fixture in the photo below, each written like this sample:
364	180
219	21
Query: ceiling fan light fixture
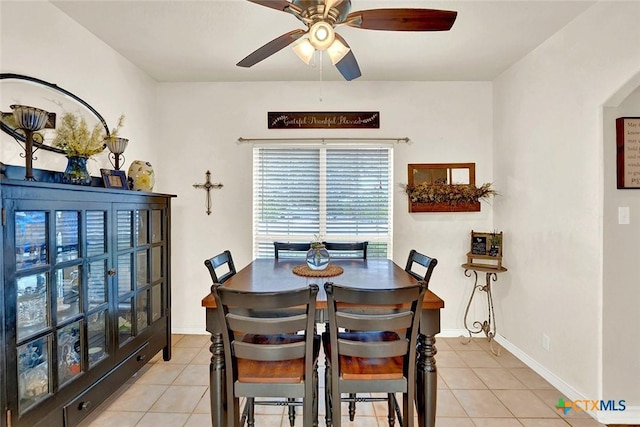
321	35
304	50
337	51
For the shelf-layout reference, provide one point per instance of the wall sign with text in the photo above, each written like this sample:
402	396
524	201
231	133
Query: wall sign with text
323	120
628	152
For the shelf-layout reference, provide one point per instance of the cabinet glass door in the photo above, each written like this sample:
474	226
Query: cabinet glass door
140	246
33	372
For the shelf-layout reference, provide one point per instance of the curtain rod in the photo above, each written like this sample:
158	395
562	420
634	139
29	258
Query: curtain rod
242	140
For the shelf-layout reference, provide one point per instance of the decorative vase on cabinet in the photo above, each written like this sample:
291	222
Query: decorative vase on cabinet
141	176
76	171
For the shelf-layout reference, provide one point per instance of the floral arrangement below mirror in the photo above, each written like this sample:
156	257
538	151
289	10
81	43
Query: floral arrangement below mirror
457	193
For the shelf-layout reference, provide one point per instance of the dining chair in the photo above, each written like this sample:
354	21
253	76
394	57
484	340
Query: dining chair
270	350
292	249
424	268
355	250
372	350
223	264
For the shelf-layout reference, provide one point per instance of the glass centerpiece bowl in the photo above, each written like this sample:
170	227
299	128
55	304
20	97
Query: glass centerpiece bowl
318	257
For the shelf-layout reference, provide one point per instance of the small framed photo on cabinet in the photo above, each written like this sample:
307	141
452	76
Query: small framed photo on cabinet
114	179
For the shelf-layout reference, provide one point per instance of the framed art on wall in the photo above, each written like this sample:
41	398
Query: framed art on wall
628	152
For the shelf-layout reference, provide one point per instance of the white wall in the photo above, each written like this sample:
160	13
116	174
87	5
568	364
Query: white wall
548	153
40	41
621	293
200	124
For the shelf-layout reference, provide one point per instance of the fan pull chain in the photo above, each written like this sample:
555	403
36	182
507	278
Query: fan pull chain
321	81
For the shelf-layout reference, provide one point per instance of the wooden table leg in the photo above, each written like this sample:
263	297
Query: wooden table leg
217	392
427	376
216	382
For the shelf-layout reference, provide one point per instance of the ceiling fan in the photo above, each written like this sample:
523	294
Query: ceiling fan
322	16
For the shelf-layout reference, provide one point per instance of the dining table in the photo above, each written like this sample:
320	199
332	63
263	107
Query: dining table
263	275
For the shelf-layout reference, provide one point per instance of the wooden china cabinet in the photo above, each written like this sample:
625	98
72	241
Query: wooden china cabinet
86	296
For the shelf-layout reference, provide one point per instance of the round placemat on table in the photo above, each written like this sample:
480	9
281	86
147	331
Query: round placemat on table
331	270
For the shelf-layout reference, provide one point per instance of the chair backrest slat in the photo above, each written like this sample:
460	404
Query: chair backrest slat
372	349
374	322
268	352
267	326
348	250
291	249
223	260
427	264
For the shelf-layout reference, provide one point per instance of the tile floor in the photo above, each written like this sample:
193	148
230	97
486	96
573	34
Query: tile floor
475	388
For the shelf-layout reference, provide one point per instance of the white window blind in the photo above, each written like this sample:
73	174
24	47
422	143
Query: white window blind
341	193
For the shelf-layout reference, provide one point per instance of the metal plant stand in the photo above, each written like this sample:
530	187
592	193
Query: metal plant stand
487	326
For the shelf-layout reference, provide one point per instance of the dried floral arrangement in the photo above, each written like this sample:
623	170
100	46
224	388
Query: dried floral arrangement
74	137
456	193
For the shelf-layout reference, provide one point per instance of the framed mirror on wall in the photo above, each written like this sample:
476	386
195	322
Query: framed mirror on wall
19	89
443	187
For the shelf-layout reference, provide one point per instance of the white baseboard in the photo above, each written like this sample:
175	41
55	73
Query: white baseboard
189	331
631	414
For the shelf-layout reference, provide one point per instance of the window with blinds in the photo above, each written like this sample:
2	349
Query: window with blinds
342	194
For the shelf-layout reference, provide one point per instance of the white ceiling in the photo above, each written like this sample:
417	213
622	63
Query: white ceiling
201	41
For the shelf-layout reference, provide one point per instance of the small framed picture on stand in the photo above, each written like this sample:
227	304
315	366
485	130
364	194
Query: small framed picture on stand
114	179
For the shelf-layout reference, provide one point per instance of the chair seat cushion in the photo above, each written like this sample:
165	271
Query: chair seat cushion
282	371
366	368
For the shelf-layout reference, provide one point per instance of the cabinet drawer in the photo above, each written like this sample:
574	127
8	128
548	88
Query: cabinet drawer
76	410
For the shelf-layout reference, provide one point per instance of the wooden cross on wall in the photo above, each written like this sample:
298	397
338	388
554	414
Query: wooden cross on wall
208	185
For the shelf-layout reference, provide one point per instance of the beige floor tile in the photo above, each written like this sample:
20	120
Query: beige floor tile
525	404
441	384
508	360
442	345
114	419
458	344
175	339
178	398
481	404
271	421
138	397
204	405
449	359
359	421
487	346
161	373
530	378
448	405
183	355
499	379
151	419
583	422
193	375
198	420
543	422
496	422
461	378
203	357
197	341
453	422
267	409
478	359
551	397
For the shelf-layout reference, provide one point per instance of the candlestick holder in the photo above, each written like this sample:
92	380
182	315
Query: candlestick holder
116	147
30	120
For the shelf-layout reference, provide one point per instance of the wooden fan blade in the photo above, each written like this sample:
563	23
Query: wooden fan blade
273	4
270	48
402	19
348	66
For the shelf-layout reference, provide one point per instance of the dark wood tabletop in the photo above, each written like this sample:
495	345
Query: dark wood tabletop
270	274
